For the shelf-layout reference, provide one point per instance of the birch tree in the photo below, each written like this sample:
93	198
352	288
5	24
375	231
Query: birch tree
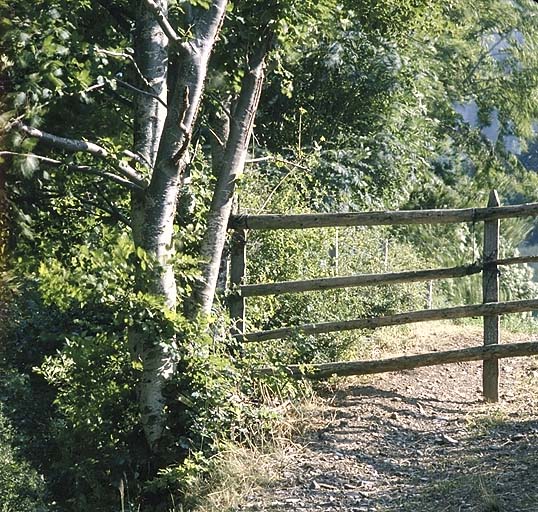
170	63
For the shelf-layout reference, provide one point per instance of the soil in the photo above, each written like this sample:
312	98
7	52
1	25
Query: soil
418	440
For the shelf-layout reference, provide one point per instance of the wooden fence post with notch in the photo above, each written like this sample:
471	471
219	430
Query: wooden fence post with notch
490	290
238	260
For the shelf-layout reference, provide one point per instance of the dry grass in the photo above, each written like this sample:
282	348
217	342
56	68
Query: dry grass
240	473
238	470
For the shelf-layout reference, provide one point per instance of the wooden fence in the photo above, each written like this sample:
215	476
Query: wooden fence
490	309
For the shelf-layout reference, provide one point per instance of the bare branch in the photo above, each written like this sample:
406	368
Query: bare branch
45	159
113	213
77	145
121	18
137	157
485	53
94	87
260	159
130	58
85	169
278	185
224	107
121	99
71	145
219	140
141	91
281	160
162	20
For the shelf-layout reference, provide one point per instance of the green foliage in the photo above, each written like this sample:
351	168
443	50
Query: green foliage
283	255
24	440
93	422
21	487
96	421
361	96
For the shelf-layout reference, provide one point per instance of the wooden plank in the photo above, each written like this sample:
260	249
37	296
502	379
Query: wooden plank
498	308
330	283
517	260
490	290
441	216
238	263
347	368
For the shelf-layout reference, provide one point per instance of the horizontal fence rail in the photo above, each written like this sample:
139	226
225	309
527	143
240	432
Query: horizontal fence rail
488	265
325	220
497	308
331	283
347	368
515	260
410	276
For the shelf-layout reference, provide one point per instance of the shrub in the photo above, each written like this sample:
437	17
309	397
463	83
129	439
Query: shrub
22	488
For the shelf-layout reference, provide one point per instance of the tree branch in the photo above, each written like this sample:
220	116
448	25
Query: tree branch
137	157
139	73
110	208
117	14
141	91
121	99
228	171
113	213
77	145
162	20
283	179
485	53
85	169
129	57
71	145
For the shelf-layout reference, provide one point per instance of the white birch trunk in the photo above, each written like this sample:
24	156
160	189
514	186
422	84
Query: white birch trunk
230	169
154	211
151	52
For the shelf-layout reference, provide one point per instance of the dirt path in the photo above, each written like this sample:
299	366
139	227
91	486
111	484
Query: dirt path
420	440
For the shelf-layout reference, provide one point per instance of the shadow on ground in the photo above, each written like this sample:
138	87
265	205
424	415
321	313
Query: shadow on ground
411	454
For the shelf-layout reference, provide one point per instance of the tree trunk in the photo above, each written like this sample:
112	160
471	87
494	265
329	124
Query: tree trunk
231	167
155	209
151	51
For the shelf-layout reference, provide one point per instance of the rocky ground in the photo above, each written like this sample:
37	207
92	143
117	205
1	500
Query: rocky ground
420	440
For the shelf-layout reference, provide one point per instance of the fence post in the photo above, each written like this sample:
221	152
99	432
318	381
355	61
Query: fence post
490	290
238	259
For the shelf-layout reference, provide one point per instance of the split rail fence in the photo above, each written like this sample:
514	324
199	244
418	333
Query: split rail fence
490	309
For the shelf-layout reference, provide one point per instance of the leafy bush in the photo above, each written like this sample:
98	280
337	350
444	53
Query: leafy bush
101	457
22	488
280	256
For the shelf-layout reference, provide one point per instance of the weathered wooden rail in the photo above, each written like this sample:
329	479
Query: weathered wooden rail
327	220
490	309
347	368
331	283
